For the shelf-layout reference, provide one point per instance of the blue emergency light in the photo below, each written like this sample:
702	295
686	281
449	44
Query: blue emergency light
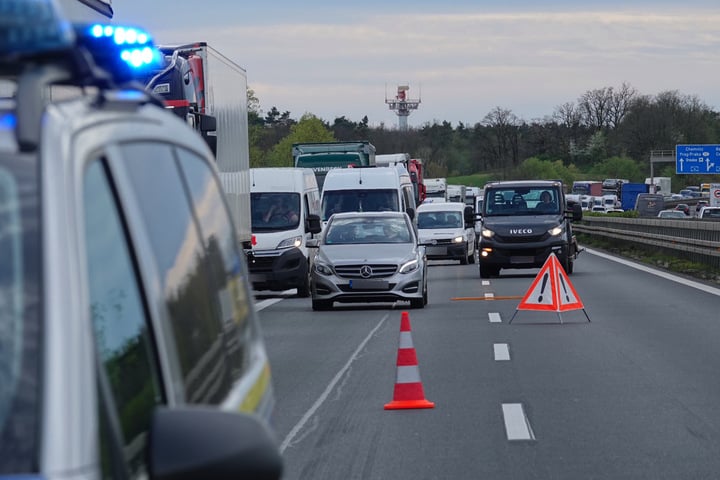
35	28
8	121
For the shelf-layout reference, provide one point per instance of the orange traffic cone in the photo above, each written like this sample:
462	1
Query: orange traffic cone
408	387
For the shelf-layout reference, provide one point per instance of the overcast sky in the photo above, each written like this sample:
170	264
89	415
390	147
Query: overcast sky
461	61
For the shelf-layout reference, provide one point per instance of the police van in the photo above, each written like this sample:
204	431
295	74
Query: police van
126	302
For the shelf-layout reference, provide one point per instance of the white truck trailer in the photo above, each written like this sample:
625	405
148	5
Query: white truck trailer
209	90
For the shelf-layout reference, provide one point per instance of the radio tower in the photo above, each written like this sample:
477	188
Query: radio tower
402	105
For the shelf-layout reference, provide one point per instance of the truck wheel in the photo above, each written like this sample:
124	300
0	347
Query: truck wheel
565	262
486	271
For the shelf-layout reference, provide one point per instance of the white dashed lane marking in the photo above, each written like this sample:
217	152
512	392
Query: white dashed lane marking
502	352
517	425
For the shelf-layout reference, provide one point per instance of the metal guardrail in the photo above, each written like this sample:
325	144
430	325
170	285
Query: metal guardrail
694	240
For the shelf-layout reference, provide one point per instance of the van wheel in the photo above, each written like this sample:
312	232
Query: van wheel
303	291
464	258
570	267
320	305
471	257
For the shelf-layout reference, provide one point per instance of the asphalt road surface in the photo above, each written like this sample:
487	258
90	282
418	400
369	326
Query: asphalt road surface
634	393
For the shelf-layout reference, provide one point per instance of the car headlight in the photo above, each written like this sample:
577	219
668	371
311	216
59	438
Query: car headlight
555	231
487	233
410	266
459	239
290	242
323	268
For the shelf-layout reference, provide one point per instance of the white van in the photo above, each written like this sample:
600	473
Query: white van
374	189
285	203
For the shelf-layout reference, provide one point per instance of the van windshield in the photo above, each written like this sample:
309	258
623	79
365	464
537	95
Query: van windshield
338	201
522	201
274	211
433	220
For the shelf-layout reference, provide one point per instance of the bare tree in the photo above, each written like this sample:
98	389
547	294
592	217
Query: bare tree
504	125
620	103
568	115
595	106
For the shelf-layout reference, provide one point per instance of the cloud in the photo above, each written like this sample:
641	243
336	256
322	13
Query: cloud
468	63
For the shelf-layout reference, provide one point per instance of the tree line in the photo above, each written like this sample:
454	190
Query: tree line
605	133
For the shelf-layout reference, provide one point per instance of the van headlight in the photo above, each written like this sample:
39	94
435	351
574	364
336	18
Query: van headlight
323	268
459	239
555	231
290	242
410	266
487	233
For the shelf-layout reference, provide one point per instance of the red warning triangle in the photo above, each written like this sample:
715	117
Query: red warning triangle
551	291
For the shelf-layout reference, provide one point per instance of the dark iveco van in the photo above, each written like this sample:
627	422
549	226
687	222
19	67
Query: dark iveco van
522	223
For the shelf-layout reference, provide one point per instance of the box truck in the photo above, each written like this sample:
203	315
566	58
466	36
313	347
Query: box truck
209	91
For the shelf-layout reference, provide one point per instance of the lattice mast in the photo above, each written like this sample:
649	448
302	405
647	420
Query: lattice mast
402	105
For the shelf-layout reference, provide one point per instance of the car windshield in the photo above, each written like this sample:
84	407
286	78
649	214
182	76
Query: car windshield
521	201
274	211
427	220
357	230
19	314
377	200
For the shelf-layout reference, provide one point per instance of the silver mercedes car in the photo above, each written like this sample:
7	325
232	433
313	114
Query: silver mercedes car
369	257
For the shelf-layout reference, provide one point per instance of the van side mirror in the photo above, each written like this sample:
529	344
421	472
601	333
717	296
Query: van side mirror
312	224
200	442
576	211
469	215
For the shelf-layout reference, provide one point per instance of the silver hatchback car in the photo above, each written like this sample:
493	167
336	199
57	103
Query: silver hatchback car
369	257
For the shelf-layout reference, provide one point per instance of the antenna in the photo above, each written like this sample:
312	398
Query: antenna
402	105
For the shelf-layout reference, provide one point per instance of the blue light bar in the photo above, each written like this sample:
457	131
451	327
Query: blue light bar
8	121
32	27
127	52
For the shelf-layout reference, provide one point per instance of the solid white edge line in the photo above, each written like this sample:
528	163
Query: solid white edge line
517	425
502	352
494	317
321	399
659	273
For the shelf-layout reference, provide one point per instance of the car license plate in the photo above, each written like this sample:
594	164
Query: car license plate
436	250
368	284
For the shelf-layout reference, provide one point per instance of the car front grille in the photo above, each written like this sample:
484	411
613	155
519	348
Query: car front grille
378	270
